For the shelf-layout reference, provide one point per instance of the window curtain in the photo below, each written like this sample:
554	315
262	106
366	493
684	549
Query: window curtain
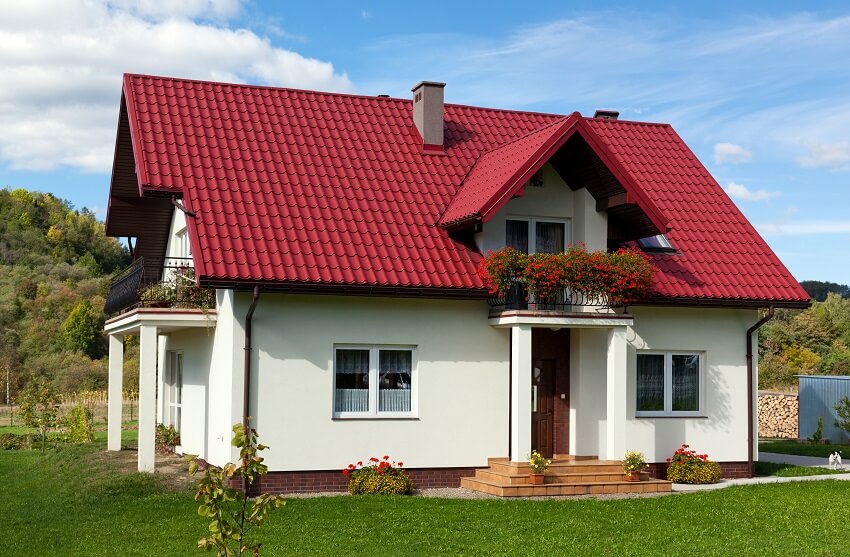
685	382
395	369
352	381
549	237
516	235
650	382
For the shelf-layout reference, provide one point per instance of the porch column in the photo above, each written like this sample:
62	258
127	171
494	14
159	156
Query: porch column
116	387
615	422
147	398
520	392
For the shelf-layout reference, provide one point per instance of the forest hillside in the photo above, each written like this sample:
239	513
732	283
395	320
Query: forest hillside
55	264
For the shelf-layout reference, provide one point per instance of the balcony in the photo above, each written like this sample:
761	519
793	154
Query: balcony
564	301
163	283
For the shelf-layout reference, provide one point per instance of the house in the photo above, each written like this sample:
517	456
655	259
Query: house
342	234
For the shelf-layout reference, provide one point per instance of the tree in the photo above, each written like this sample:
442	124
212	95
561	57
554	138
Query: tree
818	290
842	409
82	328
231	516
39	407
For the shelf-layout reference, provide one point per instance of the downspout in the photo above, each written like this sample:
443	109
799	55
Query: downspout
750	399
247	379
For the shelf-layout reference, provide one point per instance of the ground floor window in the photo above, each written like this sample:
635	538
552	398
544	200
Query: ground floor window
173	388
373	381
669	383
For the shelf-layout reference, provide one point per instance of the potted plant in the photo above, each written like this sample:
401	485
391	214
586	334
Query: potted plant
633	465
538	464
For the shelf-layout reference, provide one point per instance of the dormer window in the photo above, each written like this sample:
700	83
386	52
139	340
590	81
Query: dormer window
658	243
536	236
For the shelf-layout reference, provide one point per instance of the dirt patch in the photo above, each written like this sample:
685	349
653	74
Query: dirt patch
169	468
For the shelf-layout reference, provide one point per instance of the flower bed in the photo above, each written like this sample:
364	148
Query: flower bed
379	476
688	467
616	278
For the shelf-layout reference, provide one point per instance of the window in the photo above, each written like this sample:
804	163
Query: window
669	384
372	381
174	388
656	243
540	236
184	250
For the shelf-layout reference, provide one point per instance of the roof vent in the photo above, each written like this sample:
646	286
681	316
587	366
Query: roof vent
383	96
428	113
606	114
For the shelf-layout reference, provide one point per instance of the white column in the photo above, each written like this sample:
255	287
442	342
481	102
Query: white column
615	423
520	392
147	398
116	386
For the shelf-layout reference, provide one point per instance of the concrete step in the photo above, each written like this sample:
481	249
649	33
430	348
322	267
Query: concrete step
566	489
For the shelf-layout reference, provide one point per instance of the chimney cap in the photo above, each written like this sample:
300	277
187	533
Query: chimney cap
429	84
607	114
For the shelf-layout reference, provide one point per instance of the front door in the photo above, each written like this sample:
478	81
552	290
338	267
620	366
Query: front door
543	406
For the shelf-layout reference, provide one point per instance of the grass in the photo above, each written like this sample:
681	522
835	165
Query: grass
72	501
128	436
791	446
791	471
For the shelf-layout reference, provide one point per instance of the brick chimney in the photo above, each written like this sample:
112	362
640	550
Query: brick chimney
428	113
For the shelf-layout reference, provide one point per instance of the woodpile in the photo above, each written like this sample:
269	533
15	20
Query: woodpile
778	415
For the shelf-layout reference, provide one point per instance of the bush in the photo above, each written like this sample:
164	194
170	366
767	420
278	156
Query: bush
688	467
166	438
379	477
78	423
12	442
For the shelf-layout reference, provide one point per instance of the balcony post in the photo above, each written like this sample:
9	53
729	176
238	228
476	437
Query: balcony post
116	388
520	393
147	398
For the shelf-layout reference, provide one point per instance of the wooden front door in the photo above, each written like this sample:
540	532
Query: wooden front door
543	406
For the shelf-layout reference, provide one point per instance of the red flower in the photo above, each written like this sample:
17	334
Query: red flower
400	463
345	472
359	463
386	457
373	459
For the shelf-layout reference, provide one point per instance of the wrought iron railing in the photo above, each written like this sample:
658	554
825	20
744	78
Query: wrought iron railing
518	298
168	282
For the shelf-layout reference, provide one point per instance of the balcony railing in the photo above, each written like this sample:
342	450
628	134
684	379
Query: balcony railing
168	282
518	298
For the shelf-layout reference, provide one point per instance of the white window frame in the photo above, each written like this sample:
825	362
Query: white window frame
668	384
374	362
532	230
174	387
184	248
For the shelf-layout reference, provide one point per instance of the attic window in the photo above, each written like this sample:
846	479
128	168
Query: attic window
658	243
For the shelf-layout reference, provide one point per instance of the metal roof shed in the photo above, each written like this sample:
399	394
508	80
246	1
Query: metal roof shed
818	396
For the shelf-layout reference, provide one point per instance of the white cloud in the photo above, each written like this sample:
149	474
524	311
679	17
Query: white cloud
62	63
738	191
831	155
804	228
731	153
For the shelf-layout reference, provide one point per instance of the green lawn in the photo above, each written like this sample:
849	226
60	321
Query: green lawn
791	446
72	502
791	471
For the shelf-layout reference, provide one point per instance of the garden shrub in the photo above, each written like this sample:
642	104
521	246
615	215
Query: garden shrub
78	423
166	438
379	477
688	467
13	442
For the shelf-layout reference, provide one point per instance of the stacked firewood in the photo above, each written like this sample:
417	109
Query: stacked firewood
778	415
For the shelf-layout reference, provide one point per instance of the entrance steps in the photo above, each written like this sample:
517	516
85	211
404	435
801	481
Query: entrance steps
567	475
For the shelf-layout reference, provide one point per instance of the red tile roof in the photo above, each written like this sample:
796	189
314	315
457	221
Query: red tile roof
300	187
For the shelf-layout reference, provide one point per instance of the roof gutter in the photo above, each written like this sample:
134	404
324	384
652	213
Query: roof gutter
750	393
247	378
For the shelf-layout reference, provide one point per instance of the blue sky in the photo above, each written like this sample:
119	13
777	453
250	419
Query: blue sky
759	90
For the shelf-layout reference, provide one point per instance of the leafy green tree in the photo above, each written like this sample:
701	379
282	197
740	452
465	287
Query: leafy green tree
819	290
231	516
842	409
82	328
39	407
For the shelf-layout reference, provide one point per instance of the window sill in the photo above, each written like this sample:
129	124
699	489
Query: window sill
668	416
372	418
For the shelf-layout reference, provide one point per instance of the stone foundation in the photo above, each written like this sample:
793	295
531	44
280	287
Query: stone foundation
333	480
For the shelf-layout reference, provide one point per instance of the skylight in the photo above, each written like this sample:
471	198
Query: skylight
656	243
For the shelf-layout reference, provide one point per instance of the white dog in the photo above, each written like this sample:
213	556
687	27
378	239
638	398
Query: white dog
835	460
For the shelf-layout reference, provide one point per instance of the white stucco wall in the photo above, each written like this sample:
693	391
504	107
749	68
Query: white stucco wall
588	382
196	346
178	224
720	334
461	392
